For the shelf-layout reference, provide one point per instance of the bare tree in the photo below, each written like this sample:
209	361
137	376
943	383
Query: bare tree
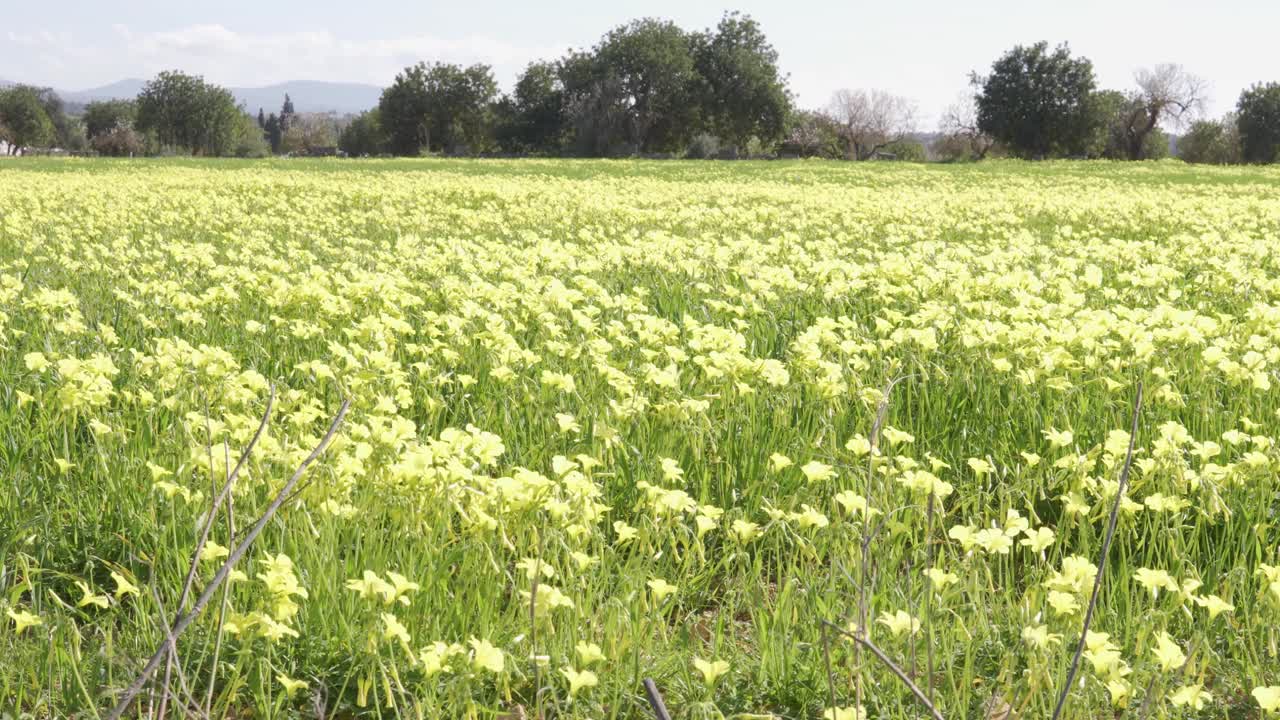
960	127
1166	93
870	121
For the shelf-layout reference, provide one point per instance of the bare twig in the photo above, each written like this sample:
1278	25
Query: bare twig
215	504
1102	559
183	621
862	640
873	440
655	700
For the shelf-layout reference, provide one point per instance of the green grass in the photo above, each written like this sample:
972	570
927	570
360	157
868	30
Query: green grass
1011	298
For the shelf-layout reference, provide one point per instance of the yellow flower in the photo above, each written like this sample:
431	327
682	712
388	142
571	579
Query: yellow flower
1154	580
589	653
88	597
484	656
625	532
1038	636
579	679
1268	698
844	713
711	670
1168	653
897	437
1063	603
212	551
660	588
980	467
815	471
859	445
35	361
1214	604
744	530
290	685
23	619
899	622
671	471
393	629
1058	438
123	586
1193	695
1037	540
778	461
940	578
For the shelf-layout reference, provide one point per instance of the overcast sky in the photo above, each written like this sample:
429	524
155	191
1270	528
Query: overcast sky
922	49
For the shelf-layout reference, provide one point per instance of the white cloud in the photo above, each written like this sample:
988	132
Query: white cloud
231	57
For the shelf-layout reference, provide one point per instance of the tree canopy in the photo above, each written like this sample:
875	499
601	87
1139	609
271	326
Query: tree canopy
1035	101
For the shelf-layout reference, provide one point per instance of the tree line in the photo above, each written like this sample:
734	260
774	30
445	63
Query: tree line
651	88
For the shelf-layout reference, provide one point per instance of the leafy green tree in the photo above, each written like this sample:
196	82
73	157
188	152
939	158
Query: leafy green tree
534	117
741	91
363	135
1216	142
1036	101
1258	120
185	112
438	107
286	113
248	140
273	133
1109	110
104	116
643	74
22	112
596	107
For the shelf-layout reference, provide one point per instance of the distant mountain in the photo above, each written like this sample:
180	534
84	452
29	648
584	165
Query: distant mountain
310	96
307	95
127	88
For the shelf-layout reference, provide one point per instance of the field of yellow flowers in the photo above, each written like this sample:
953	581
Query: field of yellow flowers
769	434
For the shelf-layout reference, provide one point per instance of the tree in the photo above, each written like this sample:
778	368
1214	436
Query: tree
262	120
960	131
812	134
104	116
437	107
363	136
1165	93
1215	142
248	140
186	112
273	133
286	113
869	121
1036	102
118	141
1258	121
22	112
309	131
645	70
534	118
741	91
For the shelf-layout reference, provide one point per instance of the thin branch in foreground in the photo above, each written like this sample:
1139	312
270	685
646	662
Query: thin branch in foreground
655	700
889	663
185	620
1102	559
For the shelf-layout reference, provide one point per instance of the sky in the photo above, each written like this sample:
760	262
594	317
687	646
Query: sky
920	49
